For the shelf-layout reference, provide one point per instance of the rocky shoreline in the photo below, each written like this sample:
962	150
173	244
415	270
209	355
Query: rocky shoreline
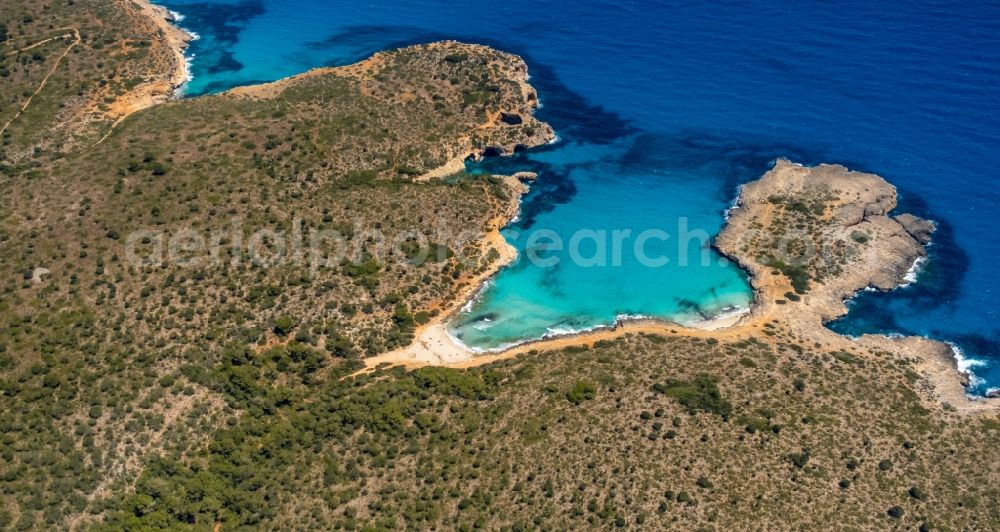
886	248
855	243
508	126
432	344
175	74
869	247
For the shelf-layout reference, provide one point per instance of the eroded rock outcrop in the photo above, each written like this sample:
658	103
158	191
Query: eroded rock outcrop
811	238
824	229
464	101
918	228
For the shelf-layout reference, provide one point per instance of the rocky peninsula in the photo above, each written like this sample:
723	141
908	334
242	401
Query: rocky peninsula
212	392
810	238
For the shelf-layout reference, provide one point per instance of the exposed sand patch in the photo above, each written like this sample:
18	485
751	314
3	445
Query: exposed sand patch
38	275
452	167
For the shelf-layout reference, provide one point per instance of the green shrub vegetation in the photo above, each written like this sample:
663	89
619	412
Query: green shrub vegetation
581	391
149	396
698	394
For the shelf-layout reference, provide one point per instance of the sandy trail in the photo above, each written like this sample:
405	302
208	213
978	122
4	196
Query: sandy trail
55	66
143	96
37	44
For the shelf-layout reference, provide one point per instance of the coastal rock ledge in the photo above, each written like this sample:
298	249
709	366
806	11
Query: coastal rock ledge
810	238
479	95
813	237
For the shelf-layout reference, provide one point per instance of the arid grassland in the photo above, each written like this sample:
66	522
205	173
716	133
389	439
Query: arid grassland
642	432
153	375
68	70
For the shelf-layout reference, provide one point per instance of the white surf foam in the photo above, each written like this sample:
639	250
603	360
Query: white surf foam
734	204
965	365
175	18
622	318
477	296
911	274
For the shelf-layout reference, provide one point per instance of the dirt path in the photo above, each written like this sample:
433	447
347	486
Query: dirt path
27	103
143	96
112	129
10	41
37	44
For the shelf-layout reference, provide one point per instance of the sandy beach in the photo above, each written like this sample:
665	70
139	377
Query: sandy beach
434	346
889	266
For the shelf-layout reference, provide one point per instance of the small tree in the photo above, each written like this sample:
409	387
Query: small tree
799	460
284	325
581	391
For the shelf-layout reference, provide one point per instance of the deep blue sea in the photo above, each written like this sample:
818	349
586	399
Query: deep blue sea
664	108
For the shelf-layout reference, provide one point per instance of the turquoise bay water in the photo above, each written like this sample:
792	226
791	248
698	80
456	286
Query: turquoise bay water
604	281
683	102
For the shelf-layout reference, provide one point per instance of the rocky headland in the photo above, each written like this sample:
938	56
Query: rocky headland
212	392
810	238
506	99
813	237
174	41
